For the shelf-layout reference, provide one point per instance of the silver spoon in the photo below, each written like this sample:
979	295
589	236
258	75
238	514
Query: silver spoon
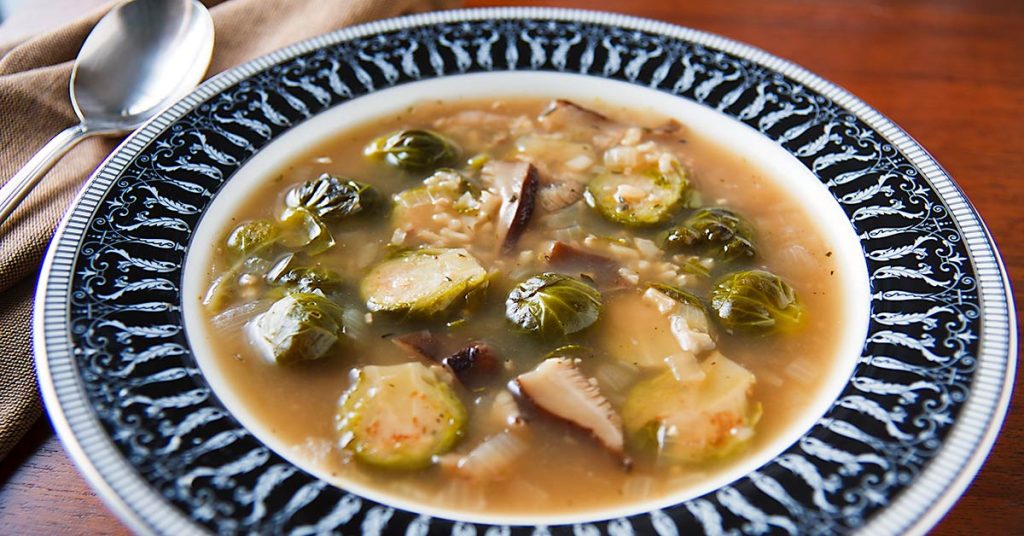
140	58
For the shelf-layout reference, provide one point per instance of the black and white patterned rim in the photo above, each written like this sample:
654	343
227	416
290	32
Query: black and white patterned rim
896	449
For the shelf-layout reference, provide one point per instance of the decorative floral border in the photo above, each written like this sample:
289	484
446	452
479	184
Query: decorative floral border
112	350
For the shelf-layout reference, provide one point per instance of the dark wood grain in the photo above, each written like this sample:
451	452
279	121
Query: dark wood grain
950	72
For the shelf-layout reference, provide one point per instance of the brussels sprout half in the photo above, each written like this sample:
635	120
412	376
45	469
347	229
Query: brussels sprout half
414	150
300	327
553	305
639	199
332	198
423	282
399	416
718	232
755	302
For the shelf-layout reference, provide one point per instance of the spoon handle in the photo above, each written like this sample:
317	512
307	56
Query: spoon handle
14	190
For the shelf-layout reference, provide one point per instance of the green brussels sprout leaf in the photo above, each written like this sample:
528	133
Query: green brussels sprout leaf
553	305
755	302
300	327
312	279
414	150
718	232
332	198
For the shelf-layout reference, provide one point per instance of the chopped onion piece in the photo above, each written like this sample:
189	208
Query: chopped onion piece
235	318
493	458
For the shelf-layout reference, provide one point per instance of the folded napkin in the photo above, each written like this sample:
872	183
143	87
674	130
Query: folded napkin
34	105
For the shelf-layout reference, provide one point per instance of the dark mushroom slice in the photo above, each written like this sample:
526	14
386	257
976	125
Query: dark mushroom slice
670	133
516	184
668	128
562	112
566	258
559	388
567	116
472	364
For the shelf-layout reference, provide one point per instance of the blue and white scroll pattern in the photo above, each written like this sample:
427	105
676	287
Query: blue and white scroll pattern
137	367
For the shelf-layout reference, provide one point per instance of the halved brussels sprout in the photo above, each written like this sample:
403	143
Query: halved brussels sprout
423	282
414	150
399	416
332	198
718	232
755	302
300	327
639	199
693	421
553	305
252	236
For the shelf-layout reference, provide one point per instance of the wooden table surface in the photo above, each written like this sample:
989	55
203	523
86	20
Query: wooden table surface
950	72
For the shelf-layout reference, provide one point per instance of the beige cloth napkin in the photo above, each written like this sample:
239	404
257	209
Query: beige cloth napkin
34	105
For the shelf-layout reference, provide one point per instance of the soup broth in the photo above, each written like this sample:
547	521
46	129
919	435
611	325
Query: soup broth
619	218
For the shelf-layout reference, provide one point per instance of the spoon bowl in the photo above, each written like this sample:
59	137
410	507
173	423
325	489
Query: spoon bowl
140	58
143	56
